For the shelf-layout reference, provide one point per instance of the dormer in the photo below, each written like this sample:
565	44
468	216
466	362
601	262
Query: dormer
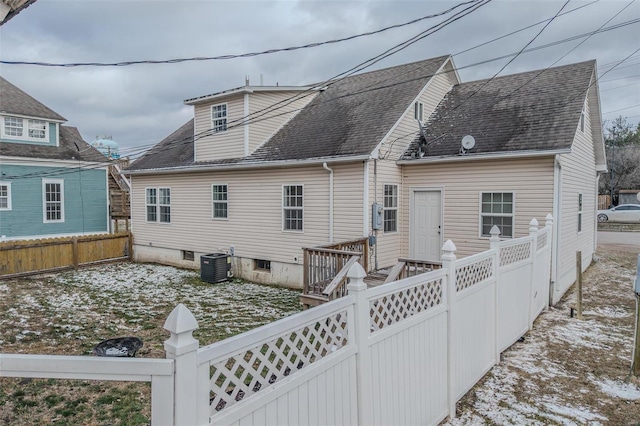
25	120
233	123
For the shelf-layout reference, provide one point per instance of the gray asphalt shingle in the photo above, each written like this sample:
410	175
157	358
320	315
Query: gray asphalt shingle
531	111
15	101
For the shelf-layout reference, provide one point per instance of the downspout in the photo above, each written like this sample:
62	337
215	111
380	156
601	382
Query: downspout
557	197
375	200
365	199
324	165
595	214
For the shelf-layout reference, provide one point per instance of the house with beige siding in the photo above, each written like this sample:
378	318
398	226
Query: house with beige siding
262	172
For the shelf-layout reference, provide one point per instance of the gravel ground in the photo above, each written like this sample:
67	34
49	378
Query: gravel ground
567	371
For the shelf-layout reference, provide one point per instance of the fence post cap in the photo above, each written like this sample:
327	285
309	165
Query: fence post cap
533	225
449	246
549	219
495	233
180	320
356	275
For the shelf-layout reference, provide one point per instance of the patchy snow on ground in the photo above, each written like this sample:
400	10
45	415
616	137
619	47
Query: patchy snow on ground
567	371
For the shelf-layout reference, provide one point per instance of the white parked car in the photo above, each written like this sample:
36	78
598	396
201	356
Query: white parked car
623	213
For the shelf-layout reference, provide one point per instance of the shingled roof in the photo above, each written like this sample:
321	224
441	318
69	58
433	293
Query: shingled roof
531	111
71	147
15	101
349	118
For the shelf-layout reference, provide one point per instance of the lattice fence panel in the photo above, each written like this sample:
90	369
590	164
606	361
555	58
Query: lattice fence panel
474	273
542	241
256	369
395	307
515	253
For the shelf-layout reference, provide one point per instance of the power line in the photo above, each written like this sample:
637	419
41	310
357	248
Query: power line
236	56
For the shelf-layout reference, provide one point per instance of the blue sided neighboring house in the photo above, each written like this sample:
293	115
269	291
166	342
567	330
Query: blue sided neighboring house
52	183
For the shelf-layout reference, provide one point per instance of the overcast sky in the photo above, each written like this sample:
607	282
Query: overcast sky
139	105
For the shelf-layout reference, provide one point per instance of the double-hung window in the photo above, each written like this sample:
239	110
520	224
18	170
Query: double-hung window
158	203
220	201
292	208
219	118
497	209
24	128
390	208
53	200
5	195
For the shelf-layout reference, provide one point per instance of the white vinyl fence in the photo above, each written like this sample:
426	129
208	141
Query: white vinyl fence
401	353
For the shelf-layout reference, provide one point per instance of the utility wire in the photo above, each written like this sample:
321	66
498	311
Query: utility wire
191	139
236	56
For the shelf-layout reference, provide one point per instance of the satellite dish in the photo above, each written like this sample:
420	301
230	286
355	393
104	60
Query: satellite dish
468	142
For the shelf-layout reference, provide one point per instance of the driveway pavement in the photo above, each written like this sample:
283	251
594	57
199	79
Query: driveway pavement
626	239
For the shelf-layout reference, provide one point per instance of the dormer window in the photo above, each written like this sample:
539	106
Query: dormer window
219	118
24	129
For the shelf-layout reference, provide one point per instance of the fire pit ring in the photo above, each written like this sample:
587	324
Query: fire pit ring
118	347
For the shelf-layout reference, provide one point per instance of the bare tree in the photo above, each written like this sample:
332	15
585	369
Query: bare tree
622	144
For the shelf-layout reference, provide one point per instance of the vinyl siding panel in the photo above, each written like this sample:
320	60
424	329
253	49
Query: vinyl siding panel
254	224
267	125
462	182
578	176
389	245
221	145
84	201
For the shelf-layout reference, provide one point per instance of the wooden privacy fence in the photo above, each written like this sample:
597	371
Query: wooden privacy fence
51	254
400	353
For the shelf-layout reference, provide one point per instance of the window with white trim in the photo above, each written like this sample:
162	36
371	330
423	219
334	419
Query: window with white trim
292	208
219	118
24	128
390	208
582	118
219	194
579	212
497	209
5	195
158	205
418	108
53	200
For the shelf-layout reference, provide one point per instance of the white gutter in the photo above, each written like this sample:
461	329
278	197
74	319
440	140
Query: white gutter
488	156
240	166
365	198
245	90
324	165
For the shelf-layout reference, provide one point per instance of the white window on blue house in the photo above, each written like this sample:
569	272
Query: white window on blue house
219	118
53	200
496	208
158	205
25	129
292	208
219	194
5	195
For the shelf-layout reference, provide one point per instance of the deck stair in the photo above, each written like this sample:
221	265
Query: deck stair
325	271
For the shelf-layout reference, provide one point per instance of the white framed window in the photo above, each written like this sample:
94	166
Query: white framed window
219	195
5	195
219	118
390	208
25	129
292	208
497	208
158	204
582	115
53	200
579	212
418	109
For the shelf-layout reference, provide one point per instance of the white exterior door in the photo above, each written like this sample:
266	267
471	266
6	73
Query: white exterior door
425	239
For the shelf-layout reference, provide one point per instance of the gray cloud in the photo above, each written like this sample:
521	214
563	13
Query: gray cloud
139	105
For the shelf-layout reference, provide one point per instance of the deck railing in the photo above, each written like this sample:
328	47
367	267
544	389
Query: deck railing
406	268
